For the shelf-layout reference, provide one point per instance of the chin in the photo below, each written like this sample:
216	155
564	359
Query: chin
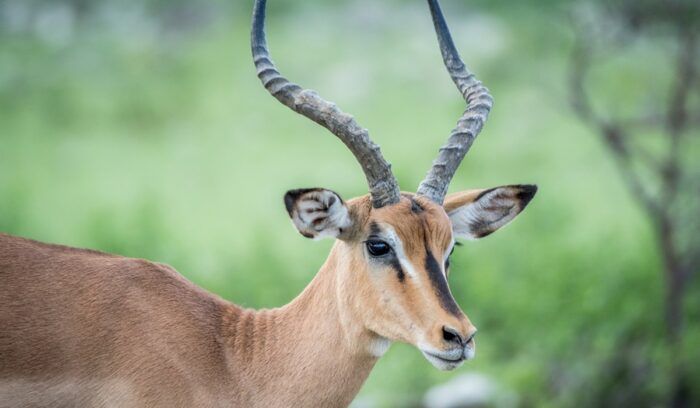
441	363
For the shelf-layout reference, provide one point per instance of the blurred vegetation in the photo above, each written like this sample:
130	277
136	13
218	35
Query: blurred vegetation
653	140
140	129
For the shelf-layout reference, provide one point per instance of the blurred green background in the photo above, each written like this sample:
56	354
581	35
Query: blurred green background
139	128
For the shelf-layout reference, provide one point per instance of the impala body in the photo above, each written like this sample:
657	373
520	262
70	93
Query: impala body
84	328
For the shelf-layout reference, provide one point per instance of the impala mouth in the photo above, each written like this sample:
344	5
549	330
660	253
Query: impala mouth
448	360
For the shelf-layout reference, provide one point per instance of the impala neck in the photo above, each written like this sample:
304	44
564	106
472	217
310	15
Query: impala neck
312	352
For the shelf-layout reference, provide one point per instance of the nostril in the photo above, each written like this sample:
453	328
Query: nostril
471	337
451	335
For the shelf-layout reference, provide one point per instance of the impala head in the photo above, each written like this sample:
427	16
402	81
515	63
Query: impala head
395	247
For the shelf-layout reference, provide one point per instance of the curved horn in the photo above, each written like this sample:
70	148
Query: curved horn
383	187
479	103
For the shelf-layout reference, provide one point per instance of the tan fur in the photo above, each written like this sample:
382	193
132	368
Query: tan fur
84	328
419	309
459	199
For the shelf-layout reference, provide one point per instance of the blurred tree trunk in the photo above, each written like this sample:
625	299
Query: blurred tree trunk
658	195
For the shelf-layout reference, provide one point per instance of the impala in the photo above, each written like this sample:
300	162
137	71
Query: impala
83	328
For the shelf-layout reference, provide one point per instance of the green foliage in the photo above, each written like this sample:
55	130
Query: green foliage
169	149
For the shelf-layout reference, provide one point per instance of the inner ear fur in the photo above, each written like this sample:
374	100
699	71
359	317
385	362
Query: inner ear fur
477	213
318	213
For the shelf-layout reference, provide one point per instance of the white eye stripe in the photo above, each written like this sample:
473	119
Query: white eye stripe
393	239
408	267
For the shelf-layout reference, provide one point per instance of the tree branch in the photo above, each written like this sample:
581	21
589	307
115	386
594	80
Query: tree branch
613	134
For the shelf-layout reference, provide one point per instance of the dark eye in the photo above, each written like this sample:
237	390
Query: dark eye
376	247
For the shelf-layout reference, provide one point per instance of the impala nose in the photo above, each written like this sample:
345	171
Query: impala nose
454	337
451	335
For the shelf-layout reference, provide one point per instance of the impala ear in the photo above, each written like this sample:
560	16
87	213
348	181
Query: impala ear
317	212
477	213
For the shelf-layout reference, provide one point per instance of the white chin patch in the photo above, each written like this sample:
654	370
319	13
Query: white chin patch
379	346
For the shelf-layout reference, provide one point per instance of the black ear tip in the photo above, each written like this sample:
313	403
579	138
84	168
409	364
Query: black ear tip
526	193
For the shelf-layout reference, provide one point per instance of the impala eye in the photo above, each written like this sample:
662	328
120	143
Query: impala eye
376	247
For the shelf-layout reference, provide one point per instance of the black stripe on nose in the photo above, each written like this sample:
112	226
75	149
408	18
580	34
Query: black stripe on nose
437	279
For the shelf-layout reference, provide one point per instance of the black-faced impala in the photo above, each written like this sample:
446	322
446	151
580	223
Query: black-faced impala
80	328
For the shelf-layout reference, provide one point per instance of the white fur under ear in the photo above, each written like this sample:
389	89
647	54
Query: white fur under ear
488	211
317	212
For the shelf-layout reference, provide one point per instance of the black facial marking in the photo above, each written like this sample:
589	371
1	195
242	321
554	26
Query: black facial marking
399	271
374	229
415	207
437	278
